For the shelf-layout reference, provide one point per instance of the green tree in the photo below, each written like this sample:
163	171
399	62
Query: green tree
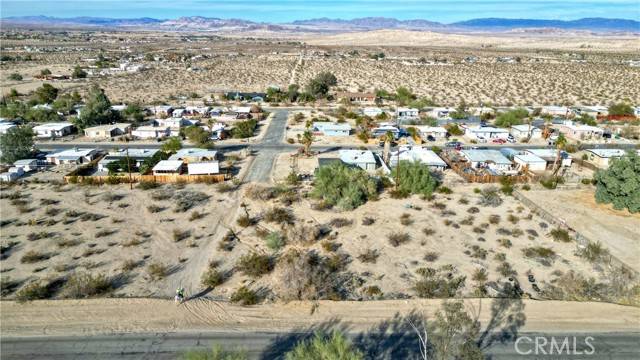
244	129
620	109
414	178
16	144
454	129
587	119
172	145
404	95
561	144
325	347
317	89
14	77
133	113
97	109
454	333
78	73
149	163
343	186
620	183
45	94
41	115
216	353
511	117
306	141
199	136
66	102
293	92
45	72
327	78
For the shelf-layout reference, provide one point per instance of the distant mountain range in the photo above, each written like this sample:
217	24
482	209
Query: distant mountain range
198	23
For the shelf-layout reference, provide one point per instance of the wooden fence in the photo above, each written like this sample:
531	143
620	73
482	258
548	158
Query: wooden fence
459	168
163	179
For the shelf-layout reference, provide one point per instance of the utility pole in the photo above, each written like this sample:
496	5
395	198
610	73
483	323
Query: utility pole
398	169
129	169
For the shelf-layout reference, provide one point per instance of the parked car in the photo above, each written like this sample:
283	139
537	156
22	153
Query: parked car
511	139
499	141
481	140
453	144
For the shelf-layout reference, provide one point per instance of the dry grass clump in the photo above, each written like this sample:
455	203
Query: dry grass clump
431	256
279	215
542	254
490	196
561	235
594	252
244	296
81	285
370	256
33	256
438	283
212	278
37	236
148	185
505	243
196	216
494	219
368	221
305	234
129	265
275	240
405	219
162	194
179	235
255	265
187	199
340	222
157	271
398	238
34	290
506	270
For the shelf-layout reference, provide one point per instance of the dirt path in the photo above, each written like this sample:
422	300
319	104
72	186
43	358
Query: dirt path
117	316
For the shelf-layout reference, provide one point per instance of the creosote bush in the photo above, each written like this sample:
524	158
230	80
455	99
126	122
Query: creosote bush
343	186
398	238
244	296
255	265
81	285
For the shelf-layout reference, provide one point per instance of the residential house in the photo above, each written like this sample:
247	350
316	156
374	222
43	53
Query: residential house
441	112
107	131
602	157
363	159
174	124
417	154
199	161
151	132
594	111
196	110
437	132
372	111
136	157
6	126
549	155
484	133
328	128
161	110
73	156
248	96
556	110
13	174
385	128
168	167
53	130
356	97
487	159
27	164
530	162
407	113
579	131
524	131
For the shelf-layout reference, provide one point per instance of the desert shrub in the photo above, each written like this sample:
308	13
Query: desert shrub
33	256
179	235
305	234
463	201
330	246
340	222
440	283
255	265
162	194
490	197
370	256
445	190
500	256
185	200
343	186
473	210
196	216
275	241
416	178
308	276
154	208
244	221
372	291
431	256
148	185
129	265
517	232
505	243
506	270
325	346
52	211
103	233
263	193
131	242
34	290
494	219
506	187
561	235
538	252
526	187
279	215
368	221
619	286
398	238
211	278
593	252
216	353
37	236
157	271
478	230
81	285
551	182
405	219
428	231
244	296
513	219
228	242
477	252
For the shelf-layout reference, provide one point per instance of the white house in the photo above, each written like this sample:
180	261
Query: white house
151	132
203	168
168	167
419	154
579	131
383	129
556	110
174	124
13	174
72	156
5	126
332	129
52	130
549	155
372	111
27	164
523	131
363	159
437	132
594	111
188	155
161	110
441	112
491	159
602	157
485	133
107	131
136	157
529	161
407	113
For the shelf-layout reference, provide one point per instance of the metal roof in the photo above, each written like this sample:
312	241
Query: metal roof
494	156
357	156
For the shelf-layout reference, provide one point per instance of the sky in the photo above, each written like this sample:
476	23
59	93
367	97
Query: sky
445	11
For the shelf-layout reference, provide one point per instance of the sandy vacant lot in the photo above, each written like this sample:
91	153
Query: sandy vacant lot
617	230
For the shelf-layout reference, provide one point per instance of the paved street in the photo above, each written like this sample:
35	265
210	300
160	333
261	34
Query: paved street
261	345
269	148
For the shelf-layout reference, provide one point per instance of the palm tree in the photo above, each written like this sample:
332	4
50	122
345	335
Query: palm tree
561	143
